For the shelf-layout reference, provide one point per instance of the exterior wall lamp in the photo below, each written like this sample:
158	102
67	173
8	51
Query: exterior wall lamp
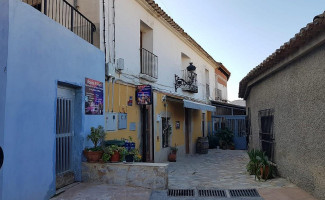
189	79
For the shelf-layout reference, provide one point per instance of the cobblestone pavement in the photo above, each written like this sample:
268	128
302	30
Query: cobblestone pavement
222	169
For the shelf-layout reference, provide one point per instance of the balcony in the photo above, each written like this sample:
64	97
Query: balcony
149	65
188	82
66	15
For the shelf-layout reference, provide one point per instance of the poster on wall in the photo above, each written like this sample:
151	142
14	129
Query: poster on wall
93	97
144	95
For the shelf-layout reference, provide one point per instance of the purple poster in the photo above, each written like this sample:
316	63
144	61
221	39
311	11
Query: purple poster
144	95
93	97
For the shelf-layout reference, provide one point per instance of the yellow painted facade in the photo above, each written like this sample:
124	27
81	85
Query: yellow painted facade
196	124
175	112
122	93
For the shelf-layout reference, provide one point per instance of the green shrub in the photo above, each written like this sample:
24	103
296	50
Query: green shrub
259	165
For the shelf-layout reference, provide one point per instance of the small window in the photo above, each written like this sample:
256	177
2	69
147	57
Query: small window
166	131
266	132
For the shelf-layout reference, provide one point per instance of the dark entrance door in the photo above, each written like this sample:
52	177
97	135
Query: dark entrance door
146	133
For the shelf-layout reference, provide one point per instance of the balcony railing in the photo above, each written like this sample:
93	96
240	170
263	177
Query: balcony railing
65	14
149	63
190	78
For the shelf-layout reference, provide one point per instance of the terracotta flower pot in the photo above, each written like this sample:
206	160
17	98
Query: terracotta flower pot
172	157
264	173
93	156
115	157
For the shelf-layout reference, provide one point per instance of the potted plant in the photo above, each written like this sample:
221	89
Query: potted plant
96	136
113	151
226	138
137	156
253	164
259	165
123	152
130	156
172	154
264	167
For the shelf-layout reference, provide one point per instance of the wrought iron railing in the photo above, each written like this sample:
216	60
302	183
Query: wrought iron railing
66	15
149	63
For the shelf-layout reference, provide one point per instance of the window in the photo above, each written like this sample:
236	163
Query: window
218	94
266	132
148	60
185	61
166	131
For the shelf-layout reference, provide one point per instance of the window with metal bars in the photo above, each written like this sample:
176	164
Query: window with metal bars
266	134
166	131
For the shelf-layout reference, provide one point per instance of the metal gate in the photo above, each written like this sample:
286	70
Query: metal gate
64	129
235	123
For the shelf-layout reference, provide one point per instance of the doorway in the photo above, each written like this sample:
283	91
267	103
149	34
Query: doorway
146	121
187	130
64	136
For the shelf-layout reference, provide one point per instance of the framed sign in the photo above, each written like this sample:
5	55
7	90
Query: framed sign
144	95
178	124
93	97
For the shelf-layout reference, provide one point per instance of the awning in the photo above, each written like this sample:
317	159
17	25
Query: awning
198	106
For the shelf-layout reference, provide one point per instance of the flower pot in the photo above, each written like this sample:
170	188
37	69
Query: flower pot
264	172
115	157
93	156
129	158
172	157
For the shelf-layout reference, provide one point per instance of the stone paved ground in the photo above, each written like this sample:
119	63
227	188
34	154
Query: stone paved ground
223	169
220	169
98	191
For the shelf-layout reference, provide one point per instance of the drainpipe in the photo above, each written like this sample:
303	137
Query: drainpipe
113	82
107	80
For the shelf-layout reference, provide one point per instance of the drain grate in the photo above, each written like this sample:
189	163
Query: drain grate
181	192
244	193
212	193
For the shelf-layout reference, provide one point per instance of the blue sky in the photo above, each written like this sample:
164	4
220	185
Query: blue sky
241	33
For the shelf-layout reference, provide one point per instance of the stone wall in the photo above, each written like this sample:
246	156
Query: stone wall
296	93
146	175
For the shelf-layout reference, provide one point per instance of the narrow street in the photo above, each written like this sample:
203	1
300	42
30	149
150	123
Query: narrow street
224	169
219	169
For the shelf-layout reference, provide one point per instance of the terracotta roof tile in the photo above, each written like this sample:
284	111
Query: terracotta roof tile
306	34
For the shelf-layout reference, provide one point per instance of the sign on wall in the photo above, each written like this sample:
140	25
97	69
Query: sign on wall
144	95
93	97
178	124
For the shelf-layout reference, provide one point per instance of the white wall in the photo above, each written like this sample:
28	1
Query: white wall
166	45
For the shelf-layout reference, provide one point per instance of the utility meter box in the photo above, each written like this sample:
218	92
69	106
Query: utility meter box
122	121
111	120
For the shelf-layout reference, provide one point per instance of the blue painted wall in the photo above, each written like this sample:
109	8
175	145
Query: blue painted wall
40	53
4	25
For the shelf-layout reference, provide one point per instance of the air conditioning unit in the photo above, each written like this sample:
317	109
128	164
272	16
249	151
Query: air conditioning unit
120	64
110	69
